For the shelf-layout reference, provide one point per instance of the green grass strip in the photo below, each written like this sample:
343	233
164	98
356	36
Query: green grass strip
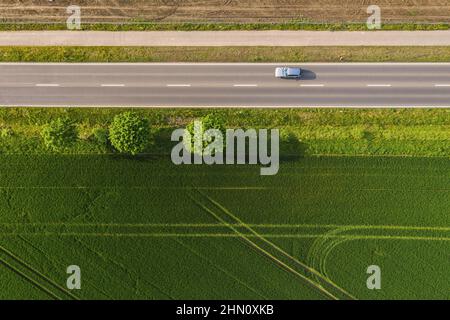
225	54
208	26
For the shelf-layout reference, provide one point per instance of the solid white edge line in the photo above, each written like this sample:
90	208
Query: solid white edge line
229	63
230	107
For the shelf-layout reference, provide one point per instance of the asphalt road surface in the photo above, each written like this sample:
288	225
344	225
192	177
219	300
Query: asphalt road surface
214	85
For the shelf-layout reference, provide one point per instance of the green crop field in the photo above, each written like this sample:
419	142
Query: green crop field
143	228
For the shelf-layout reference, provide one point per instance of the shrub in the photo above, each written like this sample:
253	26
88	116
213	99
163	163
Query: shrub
59	134
129	133
101	135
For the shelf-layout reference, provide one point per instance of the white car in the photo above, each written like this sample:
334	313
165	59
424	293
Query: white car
288	73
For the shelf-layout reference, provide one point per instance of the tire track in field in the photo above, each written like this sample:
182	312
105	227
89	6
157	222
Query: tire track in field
218	225
220	188
29	279
322	247
331	247
278	249
91	283
222	270
131	188
325	244
272	245
36	273
333	235
227	235
267	254
133	277
57	264
216	230
41	252
315	253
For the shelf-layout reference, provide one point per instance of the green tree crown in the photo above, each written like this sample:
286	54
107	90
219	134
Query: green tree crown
129	133
210	121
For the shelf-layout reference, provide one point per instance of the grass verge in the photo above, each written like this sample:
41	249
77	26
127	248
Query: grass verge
412	132
228	54
295	25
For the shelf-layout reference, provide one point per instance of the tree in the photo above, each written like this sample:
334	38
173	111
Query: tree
210	121
59	134
129	133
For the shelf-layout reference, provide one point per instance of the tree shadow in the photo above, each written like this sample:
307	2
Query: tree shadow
143	157
161	142
291	148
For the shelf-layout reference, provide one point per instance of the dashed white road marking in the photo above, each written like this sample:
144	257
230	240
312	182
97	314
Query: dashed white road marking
379	85
113	85
442	85
245	85
178	85
47	85
312	85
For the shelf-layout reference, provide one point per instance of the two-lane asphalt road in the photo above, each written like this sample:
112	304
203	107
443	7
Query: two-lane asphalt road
183	85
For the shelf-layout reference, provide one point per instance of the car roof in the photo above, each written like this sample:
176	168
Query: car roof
293	71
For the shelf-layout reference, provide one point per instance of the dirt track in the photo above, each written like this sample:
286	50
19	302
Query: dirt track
225	10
